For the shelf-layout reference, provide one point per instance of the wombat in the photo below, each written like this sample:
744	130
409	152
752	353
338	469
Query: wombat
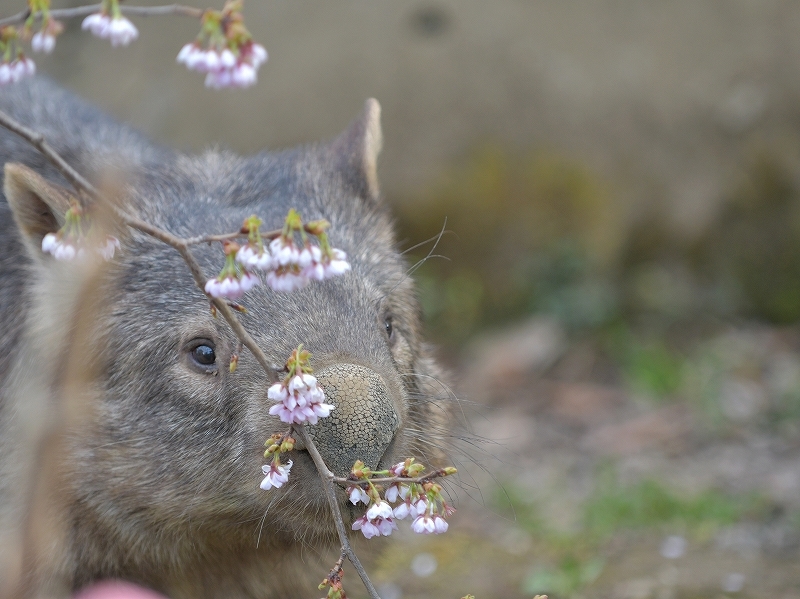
161	485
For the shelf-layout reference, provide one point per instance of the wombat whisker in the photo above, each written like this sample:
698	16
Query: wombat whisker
121	441
446	388
419	263
437	237
452	443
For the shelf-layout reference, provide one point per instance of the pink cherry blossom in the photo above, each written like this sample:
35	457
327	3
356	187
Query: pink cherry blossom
336	265
122	32
43	42
98	23
398	469
299	401
230	286
284	252
424	524
410	507
67	248
276	475
111	246
379	510
357	495
17	69
285	280
367	528
373	528
395	491
224	68
118	30
253	257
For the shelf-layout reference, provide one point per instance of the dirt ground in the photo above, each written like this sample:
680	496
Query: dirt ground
584	486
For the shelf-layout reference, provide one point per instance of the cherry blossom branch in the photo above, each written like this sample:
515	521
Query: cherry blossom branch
330	492
38	141
227	236
82	11
442	472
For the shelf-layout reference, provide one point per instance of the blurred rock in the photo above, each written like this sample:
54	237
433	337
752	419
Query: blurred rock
501	361
742	400
424	564
733	582
665	428
673	547
743	107
585	404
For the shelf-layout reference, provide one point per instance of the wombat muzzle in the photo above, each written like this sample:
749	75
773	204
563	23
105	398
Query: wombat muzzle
362	425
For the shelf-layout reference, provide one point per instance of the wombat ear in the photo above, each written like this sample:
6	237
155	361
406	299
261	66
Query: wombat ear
38	206
357	149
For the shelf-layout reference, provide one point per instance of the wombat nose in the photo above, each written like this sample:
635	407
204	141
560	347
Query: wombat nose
363	423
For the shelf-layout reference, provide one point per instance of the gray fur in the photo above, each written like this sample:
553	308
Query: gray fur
161	487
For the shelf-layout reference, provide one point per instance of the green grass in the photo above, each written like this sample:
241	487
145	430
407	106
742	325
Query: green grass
649	504
566	562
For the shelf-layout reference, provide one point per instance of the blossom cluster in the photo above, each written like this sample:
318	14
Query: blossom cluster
234	280
77	237
14	65
115	28
276	474
422	502
43	40
228	67
298	399
288	266
67	248
14	70
224	50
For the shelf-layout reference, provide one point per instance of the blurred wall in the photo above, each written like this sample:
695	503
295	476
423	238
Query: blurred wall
666	97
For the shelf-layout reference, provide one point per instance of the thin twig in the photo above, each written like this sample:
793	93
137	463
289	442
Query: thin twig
82	11
225	236
38	141
391	479
330	492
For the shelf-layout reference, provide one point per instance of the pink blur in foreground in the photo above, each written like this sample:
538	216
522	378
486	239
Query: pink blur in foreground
116	590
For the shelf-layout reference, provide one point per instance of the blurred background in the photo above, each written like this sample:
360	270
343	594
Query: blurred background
617	288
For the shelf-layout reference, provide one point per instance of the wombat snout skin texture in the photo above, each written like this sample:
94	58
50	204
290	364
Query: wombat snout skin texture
158	481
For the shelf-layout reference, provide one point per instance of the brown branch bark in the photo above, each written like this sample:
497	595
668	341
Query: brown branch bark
391	479
82	11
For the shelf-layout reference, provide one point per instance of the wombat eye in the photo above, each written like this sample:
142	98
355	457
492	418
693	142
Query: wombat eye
202	355
387	323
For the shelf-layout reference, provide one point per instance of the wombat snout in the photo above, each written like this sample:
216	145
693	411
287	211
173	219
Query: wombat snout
364	422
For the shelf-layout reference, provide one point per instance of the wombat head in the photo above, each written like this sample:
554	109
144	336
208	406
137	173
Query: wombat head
170	460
